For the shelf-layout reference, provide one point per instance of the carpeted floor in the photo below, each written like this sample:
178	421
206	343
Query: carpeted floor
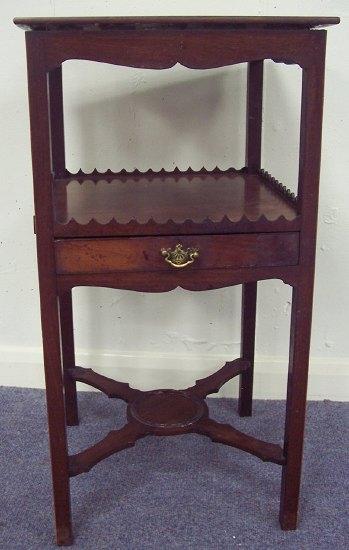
178	492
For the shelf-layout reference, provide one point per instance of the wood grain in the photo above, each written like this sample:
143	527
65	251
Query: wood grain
144	253
171	203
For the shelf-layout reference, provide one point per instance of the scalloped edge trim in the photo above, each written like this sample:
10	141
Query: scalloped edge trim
150	173
170	223
278	187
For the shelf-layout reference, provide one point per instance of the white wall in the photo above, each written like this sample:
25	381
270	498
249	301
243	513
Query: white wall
127	118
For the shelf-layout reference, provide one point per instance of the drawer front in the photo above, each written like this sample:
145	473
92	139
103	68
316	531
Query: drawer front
107	255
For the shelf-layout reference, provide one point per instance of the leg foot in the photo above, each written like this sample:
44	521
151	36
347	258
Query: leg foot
64	537
289	521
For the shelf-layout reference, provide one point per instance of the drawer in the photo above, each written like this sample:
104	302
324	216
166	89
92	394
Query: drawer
106	255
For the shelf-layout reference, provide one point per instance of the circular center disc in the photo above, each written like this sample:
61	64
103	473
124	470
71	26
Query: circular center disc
167	409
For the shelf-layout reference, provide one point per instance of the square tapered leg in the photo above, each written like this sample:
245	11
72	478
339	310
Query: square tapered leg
68	357
56	415
296	404
248	328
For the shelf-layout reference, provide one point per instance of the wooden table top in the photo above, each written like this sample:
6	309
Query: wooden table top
109	23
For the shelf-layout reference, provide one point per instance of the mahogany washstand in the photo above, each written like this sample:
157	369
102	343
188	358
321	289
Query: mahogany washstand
157	231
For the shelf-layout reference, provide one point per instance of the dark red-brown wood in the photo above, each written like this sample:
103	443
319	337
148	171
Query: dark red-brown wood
154	203
110	387
109	229
168	412
132	23
76	256
205	279
55	100
309	172
68	357
195	49
41	159
254	114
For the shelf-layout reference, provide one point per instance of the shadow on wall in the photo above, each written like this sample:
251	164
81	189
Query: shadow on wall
281	121
148	118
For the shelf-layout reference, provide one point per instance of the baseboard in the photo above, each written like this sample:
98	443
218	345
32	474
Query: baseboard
329	378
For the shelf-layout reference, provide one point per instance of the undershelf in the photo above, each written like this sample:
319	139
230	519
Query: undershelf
166	412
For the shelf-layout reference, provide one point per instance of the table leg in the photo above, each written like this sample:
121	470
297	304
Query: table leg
56	415
254	115
296	403
248	328
68	356
42	177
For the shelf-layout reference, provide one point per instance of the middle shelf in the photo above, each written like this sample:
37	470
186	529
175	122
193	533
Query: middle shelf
171	203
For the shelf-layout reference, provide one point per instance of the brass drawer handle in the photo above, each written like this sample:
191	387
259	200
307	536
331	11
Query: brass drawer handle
180	257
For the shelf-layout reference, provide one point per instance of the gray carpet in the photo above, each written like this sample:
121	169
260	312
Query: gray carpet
179	492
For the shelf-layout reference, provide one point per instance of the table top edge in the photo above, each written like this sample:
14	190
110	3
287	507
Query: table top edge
181	22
